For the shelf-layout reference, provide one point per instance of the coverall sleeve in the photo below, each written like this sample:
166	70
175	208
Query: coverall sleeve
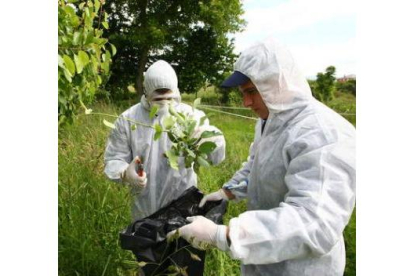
243	173
118	153
309	222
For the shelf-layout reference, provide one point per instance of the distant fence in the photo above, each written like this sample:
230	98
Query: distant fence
215	108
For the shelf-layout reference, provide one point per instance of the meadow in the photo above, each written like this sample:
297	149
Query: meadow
93	210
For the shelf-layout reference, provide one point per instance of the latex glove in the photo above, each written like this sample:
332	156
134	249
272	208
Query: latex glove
200	129
131	177
218	195
202	232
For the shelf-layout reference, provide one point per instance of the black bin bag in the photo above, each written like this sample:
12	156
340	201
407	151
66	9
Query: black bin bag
146	237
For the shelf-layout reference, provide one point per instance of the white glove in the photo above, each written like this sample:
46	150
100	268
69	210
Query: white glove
218	195
131	177
202	232
200	129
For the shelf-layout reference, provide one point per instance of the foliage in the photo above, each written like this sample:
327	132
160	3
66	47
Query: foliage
201	59
83	57
191	35
348	86
325	85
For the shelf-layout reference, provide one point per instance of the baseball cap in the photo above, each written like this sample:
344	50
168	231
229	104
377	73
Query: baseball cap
236	79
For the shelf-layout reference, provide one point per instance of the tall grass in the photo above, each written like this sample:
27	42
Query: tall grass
92	210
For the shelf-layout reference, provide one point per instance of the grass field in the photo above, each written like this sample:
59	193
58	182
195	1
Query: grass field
92	210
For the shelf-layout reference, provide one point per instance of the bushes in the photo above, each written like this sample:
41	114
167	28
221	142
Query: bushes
83	57
348	86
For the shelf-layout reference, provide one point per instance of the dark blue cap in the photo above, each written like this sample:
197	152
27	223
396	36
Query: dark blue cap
235	79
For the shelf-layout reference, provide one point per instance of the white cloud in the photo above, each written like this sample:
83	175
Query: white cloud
314	58
288	17
291	15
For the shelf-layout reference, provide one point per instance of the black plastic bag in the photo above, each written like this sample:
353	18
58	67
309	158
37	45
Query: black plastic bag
146	238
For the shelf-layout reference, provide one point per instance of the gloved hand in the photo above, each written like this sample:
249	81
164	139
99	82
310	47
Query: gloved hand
202	232
131	177
200	129
218	195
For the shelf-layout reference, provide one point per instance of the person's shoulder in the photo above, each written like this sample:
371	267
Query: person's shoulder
132	110
188	109
184	107
319	120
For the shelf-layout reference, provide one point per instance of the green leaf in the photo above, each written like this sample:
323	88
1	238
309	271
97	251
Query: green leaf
172	159
84	57
79	64
61	63
195	257
67	74
76	38
131	88
133	127
209	133
172	137
105	24
207	147
202	162
113	48
69	64
158	131
153	111
168	122
202	120
69	10
142	264
181	115
108	124
97	5
191	126
196	102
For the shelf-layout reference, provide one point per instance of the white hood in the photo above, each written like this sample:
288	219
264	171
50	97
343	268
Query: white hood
271	68
160	75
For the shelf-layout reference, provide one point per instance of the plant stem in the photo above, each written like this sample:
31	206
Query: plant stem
124	118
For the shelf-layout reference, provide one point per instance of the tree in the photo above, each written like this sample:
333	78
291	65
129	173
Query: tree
198	65
191	35
325	84
83	60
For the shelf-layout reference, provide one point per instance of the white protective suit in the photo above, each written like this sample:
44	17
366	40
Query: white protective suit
164	183
301	175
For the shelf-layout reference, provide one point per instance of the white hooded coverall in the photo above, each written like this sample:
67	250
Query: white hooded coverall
164	184
301	175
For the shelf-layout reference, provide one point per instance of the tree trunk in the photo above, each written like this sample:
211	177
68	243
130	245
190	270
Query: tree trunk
143	58
144	49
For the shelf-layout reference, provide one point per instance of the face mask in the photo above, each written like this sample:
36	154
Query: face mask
162	103
162	106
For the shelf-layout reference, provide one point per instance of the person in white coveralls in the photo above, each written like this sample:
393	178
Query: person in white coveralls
160	184
299	179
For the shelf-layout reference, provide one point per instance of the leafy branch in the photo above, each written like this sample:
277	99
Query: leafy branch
190	142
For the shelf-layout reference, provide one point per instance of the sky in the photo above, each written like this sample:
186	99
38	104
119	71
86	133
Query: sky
319	33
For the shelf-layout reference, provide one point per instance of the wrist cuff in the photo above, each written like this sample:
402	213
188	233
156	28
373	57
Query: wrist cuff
221	238
223	195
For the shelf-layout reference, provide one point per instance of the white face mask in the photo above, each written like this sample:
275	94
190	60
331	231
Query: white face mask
162	103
